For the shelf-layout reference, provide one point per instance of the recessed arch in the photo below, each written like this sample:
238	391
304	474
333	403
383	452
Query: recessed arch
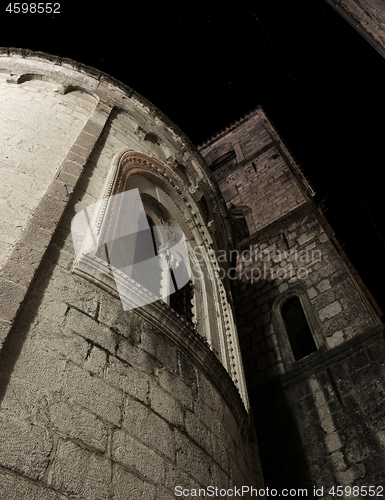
220	155
151	137
77	88
27	77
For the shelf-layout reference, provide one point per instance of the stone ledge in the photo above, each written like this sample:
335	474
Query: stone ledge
275	227
322	359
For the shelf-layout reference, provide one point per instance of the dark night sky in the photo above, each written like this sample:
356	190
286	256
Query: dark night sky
205	64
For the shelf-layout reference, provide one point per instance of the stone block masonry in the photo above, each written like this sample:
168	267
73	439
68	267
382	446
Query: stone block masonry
38	126
319	414
366	17
101	404
322	400
96	402
293	257
264	178
35	233
332	405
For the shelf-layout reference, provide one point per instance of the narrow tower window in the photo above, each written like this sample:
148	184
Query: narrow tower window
297	328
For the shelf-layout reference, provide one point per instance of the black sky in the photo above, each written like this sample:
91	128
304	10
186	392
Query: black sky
205	64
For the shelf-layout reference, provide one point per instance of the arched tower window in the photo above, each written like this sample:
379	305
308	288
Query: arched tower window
221	156
297	328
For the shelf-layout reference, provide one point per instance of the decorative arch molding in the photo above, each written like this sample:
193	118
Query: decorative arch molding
165	196
128	162
280	328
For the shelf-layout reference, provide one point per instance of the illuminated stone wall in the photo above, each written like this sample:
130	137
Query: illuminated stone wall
97	402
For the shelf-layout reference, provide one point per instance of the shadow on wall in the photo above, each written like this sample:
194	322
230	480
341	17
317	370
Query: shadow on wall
283	459
324	423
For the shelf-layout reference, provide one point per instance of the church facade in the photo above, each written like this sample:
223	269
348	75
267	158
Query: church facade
264	367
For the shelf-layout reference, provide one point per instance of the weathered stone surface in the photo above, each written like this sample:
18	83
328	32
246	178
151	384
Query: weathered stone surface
77	423
152	430
191	459
164	404
13	488
78	472
126	485
201	434
125	377
52	337
24	447
28	106
137	457
12	295
330	311
96	361
175	386
44	369
90	329
94	394
160	349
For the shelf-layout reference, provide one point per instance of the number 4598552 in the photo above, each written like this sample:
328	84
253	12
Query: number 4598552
33	8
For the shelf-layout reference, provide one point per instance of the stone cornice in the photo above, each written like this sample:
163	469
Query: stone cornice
322	359
68	75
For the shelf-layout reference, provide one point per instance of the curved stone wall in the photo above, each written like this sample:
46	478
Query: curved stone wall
37	127
97	402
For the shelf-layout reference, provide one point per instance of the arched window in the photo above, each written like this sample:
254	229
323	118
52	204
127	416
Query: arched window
117	259
222	160
297	328
220	156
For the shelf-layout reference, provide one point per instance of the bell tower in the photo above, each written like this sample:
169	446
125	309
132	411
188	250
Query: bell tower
310	334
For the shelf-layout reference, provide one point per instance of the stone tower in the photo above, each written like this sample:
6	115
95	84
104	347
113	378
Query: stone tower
367	18
97	400
310	334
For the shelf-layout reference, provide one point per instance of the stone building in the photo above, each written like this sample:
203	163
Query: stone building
98	402
310	332
273	348
367	17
